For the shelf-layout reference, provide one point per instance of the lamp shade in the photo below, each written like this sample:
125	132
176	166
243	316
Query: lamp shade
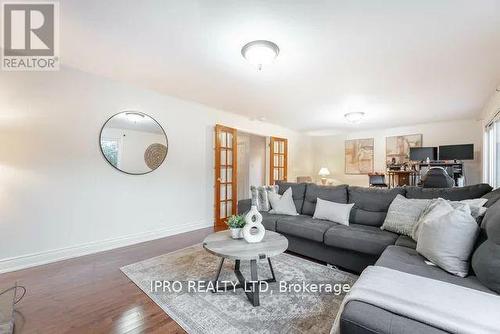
323	171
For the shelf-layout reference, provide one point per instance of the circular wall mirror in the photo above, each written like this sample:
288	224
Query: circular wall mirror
133	142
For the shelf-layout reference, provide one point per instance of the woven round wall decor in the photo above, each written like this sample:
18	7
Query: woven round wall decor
154	155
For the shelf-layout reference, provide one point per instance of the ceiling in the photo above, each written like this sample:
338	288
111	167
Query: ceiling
400	62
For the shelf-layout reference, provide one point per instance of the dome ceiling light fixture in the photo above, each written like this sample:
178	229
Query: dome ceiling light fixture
354	117
260	52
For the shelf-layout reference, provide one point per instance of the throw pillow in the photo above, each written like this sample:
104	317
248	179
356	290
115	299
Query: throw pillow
437	207
486	258
448	240
282	204
486	264
403	214
335	212
476	205
260	197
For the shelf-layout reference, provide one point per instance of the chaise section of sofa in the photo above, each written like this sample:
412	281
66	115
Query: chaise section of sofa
363	318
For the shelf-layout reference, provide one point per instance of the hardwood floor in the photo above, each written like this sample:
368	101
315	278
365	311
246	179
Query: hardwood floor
90	294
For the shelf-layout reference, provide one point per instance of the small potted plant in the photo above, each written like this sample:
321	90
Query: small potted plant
235	224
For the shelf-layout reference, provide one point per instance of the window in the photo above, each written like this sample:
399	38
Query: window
110	149
491	167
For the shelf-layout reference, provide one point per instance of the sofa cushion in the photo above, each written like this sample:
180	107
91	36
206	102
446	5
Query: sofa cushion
452	194
409	261
486	258
298	190
360	238
406	241
371	204
336	194
269	220
362	318
304	226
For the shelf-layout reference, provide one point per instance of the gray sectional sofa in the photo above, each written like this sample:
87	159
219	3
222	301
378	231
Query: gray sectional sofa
363	243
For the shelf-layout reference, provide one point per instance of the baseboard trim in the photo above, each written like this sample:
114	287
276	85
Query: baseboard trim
45	257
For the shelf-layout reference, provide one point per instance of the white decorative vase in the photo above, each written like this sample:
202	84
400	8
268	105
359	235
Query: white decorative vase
253	219
236	233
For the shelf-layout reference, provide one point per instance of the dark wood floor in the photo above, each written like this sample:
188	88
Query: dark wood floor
90	294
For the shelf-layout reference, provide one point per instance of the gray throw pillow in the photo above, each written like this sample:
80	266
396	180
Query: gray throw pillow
486	264
486	258
448	240
403	214
260	197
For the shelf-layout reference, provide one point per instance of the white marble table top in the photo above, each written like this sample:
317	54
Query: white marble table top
221	244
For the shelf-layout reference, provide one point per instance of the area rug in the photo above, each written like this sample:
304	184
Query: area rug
295	308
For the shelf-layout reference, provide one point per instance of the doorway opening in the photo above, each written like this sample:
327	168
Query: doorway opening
251	163
242	160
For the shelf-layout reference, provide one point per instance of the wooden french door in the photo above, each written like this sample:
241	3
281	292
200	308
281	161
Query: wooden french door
278	159
226	173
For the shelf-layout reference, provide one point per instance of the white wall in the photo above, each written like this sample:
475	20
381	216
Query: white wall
491	107
60	198
329	150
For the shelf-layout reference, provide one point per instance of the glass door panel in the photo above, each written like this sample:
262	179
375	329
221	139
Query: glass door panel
225	174
278	159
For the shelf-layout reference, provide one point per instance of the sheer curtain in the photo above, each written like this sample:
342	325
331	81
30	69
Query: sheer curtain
491	172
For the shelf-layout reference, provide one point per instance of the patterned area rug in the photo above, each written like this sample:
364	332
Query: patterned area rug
290	309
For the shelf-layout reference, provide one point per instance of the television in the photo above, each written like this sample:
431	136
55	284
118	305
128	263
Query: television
422	153
456	152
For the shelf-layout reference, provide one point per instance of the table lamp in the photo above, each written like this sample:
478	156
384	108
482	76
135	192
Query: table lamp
323	172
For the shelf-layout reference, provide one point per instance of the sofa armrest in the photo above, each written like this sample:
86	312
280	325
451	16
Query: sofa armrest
244	206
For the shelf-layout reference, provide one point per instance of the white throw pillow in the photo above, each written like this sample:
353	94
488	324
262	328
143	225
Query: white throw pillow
282	204
476	205
403	214
448	240
335	212
438	207
435	209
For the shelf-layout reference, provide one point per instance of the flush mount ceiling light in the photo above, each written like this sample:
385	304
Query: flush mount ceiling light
260	52
354	117
134	116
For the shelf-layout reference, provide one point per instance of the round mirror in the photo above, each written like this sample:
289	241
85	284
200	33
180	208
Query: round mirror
133	142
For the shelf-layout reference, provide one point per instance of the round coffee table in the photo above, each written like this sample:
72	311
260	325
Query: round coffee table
222	245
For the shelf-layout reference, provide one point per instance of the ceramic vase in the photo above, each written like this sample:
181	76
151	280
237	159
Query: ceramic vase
236	233
253	219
